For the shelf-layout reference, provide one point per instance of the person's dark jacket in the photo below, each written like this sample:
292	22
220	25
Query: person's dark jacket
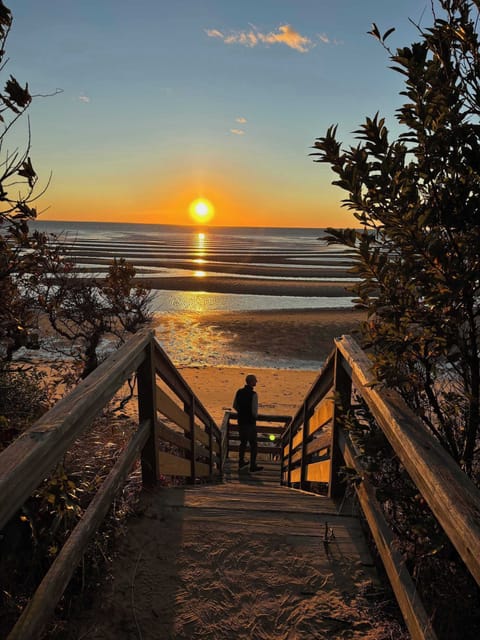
246	405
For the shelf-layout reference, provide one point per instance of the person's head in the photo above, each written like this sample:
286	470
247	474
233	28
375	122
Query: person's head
251	380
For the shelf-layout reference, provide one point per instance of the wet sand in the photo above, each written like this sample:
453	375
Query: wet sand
284	349
293	339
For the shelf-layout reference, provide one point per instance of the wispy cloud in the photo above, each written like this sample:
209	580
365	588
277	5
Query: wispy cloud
241	120
327	40
237	132
83	98
285	34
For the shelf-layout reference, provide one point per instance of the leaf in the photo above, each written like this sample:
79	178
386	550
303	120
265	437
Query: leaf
387	33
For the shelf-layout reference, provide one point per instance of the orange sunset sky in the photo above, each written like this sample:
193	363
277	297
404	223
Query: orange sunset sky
162	103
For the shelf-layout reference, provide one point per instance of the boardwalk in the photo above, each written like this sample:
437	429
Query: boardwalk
243	559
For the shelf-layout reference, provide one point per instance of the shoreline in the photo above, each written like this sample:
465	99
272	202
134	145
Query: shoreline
253	286
271	339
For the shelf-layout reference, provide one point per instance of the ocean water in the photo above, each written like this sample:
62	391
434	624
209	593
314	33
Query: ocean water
275	268
212	269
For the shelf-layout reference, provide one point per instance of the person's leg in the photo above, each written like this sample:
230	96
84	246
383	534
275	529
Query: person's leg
243	432
252	439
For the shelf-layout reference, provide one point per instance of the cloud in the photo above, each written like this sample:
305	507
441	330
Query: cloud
326	40
285	34
237	132
83	98
241	120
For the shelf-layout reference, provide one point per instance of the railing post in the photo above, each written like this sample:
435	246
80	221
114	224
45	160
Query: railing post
303	463
289	468
342	389
147	411
191	413
228	436
210	449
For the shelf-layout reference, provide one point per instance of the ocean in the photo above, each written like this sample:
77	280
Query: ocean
196	273
216	268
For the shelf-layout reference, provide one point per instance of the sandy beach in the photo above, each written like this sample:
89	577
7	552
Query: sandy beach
278	339
304	337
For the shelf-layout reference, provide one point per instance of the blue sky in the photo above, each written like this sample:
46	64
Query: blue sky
163	102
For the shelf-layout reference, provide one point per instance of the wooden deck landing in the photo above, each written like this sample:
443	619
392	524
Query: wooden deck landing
242	559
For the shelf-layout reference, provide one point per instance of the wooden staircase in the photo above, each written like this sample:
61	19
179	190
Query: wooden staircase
270	475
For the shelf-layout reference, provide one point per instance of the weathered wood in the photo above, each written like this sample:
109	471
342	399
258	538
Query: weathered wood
405	590
318	391
166	434
266	417
171	410
171	465
193	452
29	459
169	373
316	446
322	415
260	449
41	606
224	442
322	441
294	475
303	449
318	471
342	384
452	497
147	411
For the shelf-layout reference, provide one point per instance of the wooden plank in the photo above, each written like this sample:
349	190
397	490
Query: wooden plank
169	373
29	459
171	465
224	441
317	444
260	449
295	475
173	437
453	498
322	415
266	417
41	606
342	394
297	439
321	386
415	616
147	411
171	410
166	434
318	471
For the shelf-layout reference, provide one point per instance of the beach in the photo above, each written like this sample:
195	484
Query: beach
284	349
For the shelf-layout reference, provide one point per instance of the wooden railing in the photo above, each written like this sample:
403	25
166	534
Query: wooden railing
187	430
270	429
316	445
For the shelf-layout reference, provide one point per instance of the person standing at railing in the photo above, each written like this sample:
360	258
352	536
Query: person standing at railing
246	406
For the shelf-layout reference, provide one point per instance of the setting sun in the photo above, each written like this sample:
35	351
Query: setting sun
201	210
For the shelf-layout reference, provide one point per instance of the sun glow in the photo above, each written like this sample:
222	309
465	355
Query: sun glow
201	210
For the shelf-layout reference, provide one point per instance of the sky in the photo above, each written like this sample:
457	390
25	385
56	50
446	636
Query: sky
165	102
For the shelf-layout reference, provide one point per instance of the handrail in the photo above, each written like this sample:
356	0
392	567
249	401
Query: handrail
452	497
30	458
266	424
315	445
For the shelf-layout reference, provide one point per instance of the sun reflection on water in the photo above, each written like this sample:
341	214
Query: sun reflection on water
200	244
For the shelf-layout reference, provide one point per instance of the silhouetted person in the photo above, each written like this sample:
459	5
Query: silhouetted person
246	406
